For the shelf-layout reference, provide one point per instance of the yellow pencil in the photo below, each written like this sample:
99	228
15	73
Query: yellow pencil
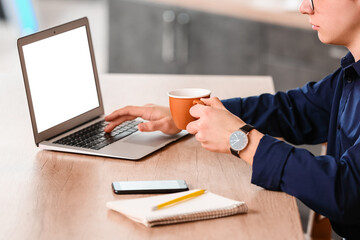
179	199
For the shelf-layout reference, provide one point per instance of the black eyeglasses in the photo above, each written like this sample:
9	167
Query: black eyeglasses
312	4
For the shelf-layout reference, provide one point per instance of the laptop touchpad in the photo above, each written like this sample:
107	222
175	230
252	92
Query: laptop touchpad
152	139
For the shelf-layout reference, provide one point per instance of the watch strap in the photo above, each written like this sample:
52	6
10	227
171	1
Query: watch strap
235	153
247	128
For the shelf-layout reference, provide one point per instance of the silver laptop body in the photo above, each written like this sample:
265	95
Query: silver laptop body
63	92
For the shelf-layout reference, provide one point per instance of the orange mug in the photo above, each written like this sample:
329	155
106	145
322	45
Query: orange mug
181	100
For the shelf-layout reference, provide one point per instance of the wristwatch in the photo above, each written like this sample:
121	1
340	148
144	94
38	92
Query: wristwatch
239	139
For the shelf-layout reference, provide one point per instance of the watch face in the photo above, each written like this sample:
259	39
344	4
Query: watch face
238	140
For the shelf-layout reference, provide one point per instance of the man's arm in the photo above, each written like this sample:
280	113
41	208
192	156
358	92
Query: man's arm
325	184
300	116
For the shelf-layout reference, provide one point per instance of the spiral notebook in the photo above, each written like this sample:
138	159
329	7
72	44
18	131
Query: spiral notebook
206	206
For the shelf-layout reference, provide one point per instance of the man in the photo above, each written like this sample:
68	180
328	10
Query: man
326	111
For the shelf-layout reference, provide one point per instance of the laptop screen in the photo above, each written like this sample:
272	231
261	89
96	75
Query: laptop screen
61	77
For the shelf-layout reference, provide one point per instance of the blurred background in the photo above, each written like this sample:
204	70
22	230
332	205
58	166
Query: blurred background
228	37
22	17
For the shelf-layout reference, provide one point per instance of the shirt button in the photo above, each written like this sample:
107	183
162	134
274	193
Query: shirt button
338	127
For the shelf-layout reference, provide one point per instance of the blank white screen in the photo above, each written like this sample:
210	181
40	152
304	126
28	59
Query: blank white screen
61	78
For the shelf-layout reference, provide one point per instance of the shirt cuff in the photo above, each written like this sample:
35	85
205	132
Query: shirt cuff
269	162
233	105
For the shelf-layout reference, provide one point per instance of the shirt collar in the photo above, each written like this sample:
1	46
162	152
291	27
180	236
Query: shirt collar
348	62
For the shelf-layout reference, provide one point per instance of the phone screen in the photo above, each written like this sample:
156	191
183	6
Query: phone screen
160	186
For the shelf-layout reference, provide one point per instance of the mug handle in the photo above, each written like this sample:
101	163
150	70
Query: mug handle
198	101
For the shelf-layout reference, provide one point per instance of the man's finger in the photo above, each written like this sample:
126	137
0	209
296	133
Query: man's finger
134	111
117	122
196	110
191	127
164	125
213	102
151	126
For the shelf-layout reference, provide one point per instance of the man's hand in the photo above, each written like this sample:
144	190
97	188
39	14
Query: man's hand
159	118
214	125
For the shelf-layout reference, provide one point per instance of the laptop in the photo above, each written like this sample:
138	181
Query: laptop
64	97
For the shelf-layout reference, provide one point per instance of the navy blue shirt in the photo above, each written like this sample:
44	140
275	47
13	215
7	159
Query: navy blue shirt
324	111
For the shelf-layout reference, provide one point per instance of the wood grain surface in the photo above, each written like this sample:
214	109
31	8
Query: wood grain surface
53	195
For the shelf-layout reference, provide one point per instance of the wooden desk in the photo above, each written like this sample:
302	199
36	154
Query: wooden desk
51	195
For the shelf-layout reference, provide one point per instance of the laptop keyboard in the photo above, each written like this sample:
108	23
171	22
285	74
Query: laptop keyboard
94	137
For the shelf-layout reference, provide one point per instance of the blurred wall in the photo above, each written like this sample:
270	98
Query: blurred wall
2	16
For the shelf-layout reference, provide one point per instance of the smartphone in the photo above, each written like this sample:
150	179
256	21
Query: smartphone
159	186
